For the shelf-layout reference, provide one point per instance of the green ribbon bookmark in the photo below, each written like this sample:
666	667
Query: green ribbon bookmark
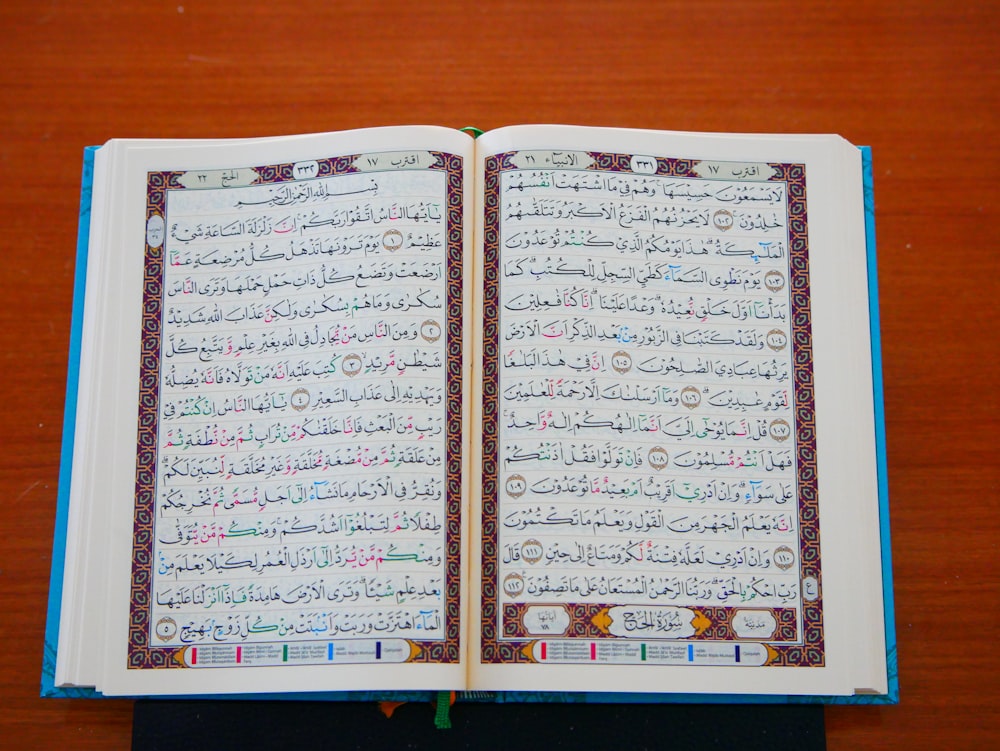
442	718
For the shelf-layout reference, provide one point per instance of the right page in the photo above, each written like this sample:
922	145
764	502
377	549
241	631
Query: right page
677	456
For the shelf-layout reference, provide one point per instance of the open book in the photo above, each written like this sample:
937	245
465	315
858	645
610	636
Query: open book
555	409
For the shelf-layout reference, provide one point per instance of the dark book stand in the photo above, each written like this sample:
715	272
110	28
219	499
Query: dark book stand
199	725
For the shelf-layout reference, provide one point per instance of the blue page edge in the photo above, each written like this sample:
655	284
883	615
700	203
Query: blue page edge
48	687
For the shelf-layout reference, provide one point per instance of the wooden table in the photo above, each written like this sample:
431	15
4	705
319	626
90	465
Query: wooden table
919	83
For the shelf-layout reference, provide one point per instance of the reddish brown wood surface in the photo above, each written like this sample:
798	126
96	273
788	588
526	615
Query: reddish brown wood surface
918	82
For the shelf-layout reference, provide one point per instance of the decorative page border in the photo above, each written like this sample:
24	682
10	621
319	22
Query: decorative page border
140	654
585	618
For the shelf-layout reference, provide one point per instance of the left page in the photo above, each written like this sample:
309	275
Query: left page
280	481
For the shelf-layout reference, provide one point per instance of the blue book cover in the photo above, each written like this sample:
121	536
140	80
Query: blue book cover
49	689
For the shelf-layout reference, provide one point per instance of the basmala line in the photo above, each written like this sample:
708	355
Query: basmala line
227	214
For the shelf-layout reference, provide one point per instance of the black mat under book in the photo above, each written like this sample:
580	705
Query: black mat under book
252	726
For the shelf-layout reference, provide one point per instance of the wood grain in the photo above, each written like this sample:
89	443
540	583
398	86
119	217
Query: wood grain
918	82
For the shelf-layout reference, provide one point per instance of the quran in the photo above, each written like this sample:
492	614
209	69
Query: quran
554	409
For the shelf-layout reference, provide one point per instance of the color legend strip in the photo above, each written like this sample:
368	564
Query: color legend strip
634	652
347	651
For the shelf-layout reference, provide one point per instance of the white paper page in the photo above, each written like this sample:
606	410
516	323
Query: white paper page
240	541
84	603
75	665
650	498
